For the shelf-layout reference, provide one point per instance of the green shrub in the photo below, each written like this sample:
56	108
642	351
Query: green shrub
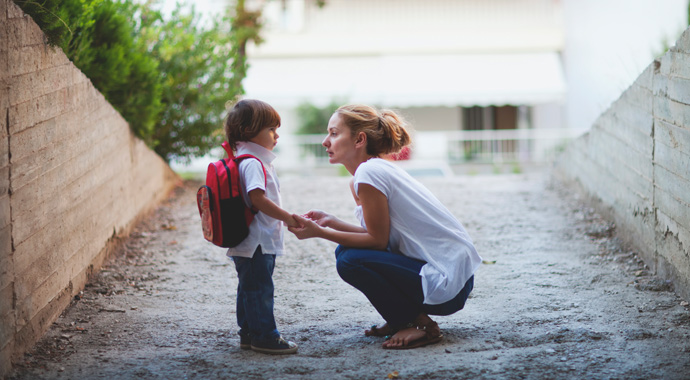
52	16
196	77
98	38
170	79
314	120
127	77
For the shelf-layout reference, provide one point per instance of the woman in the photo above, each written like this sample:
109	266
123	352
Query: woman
411	257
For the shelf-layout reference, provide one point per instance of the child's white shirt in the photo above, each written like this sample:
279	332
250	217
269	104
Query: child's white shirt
264	230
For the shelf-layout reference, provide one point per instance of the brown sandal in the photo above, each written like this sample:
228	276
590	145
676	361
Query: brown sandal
382	331
428	338
428	325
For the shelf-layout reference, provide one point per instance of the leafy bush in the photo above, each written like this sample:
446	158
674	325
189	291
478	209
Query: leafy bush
98	38
196	78
170	79
314	120
53	18
105	51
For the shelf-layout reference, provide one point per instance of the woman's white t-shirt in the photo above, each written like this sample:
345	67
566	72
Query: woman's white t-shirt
422	228
264	230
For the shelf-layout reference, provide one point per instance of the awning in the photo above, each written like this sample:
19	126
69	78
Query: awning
409	81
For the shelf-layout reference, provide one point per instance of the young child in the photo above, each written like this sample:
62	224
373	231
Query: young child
251	127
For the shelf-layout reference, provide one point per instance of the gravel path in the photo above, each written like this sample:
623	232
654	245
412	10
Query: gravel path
558	297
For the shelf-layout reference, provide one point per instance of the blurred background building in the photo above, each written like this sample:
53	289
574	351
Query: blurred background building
499	82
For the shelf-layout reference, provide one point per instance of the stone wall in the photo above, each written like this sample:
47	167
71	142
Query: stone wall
634	165
73	181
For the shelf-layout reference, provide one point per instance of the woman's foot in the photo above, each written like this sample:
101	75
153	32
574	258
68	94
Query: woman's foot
427	324
410	337
384	330
423	331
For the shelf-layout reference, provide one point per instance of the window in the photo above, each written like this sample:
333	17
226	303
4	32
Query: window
487	118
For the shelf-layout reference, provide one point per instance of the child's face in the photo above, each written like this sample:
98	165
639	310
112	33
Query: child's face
267	138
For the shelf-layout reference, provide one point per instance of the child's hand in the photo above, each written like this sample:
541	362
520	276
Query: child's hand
306	229
294	223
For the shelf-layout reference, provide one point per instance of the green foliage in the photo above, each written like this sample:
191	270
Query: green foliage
98	38
53	19
105	51
516	168
196	78
314	120
169	78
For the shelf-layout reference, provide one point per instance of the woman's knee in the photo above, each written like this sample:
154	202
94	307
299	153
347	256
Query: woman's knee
346	263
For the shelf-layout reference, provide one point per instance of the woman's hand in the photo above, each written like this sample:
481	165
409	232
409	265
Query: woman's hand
321	218
307	228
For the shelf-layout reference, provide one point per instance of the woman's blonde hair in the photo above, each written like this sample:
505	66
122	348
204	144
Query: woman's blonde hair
385	130
247	118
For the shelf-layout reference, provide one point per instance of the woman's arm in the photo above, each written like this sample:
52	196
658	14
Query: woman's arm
376	216
265	205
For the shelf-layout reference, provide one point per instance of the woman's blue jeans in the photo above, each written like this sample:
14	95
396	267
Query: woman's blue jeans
255	296
392	284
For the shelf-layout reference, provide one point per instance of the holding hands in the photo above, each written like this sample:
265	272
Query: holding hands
317	223
319	217
310	224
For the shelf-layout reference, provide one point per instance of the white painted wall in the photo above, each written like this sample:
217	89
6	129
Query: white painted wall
608	43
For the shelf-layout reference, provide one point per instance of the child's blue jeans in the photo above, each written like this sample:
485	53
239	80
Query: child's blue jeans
255	296
392	284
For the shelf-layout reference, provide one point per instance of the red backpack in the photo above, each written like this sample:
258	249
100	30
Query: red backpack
225	218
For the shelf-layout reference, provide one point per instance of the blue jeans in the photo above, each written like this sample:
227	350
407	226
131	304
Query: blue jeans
392	284
255	296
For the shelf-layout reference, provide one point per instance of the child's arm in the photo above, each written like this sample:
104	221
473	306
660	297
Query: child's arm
265	205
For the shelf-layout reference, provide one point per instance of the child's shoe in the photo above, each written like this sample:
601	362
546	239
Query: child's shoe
245	342
278	346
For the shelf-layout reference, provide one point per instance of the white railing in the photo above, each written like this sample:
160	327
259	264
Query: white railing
508	145
457	147
309	147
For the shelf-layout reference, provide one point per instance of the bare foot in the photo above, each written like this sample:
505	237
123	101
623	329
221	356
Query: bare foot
427	324
379	331
404	337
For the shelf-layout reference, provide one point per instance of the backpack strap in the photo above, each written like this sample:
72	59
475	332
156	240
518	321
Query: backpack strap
228	149
241	157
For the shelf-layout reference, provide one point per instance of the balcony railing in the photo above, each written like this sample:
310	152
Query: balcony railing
508	145
458	147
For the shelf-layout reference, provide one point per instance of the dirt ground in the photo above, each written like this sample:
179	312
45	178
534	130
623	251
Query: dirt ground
557	297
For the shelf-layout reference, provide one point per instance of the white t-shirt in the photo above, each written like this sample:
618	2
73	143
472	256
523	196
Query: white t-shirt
424	229
264	230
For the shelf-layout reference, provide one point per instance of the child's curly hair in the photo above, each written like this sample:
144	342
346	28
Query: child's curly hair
247	118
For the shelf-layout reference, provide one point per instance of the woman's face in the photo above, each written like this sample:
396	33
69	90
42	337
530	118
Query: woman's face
339	143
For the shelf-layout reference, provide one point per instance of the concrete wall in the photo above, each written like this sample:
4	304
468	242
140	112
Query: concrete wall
73	180
634	164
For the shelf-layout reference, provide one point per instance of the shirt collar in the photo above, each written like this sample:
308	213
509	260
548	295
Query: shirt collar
248	147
